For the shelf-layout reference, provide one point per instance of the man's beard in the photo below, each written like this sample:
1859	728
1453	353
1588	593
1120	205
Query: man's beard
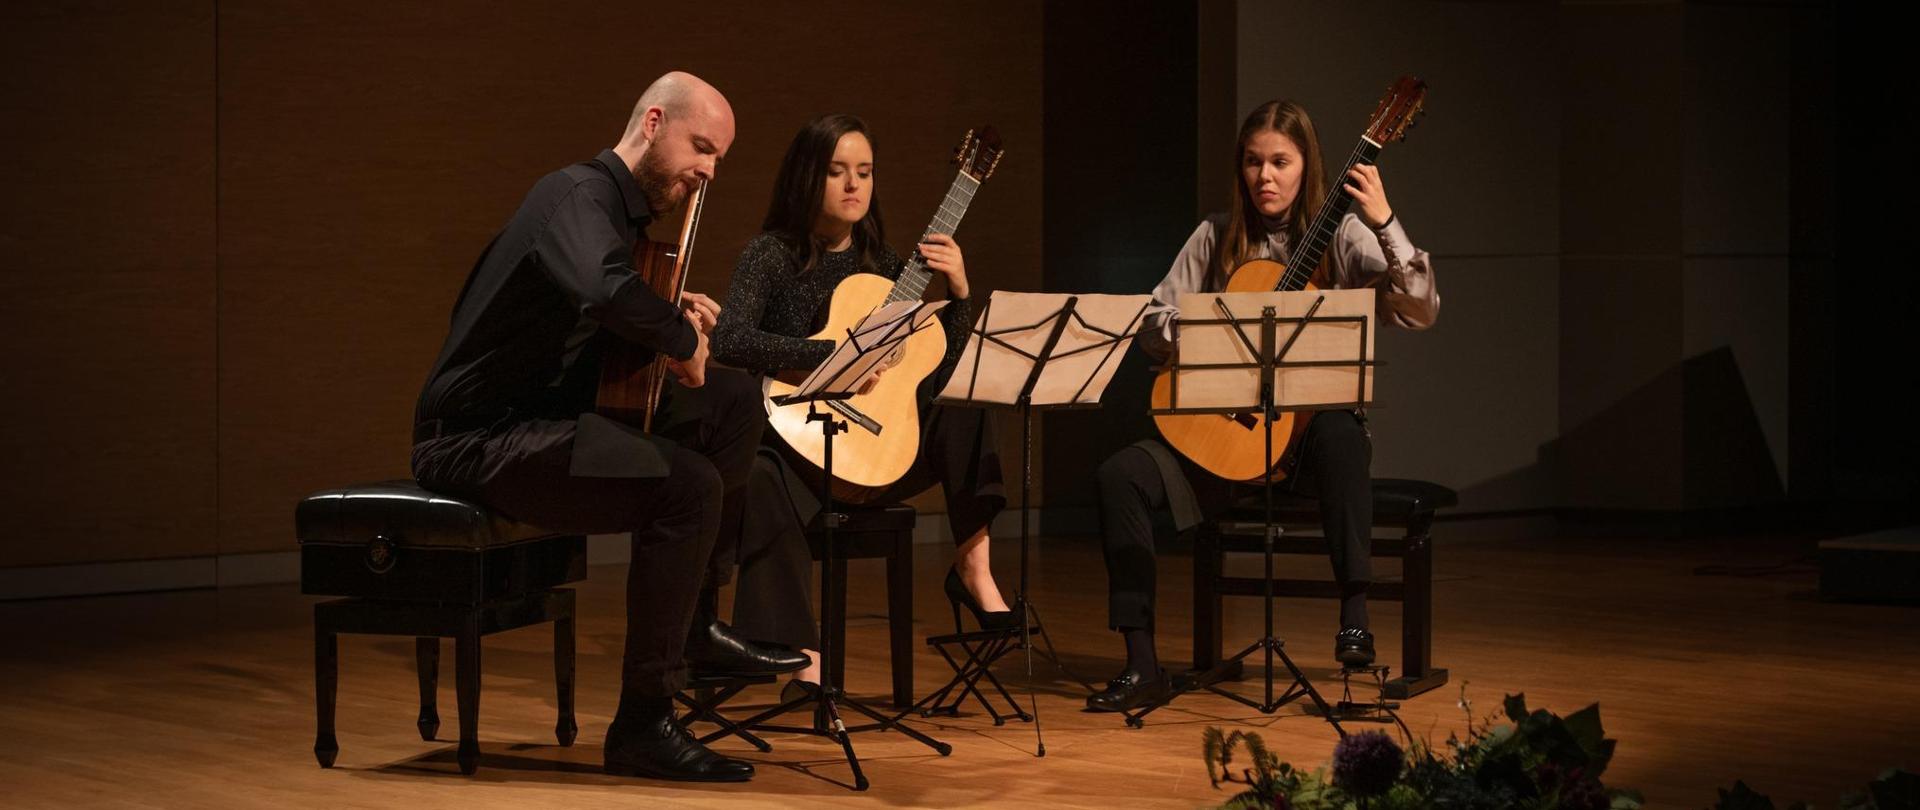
657	184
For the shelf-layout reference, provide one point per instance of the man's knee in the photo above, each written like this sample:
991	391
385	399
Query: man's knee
692	486
734	391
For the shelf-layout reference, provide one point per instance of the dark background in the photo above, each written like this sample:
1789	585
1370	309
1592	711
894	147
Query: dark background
1673	253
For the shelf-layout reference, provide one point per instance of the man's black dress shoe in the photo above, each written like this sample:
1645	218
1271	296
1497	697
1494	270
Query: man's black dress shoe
714	651
1131	690
661	749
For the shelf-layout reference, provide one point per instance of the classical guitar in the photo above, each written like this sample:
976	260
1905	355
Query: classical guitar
883	435
631	376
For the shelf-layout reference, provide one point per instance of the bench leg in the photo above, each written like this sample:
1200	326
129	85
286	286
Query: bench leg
1207	607
565	729
1417	674
837	620
900	617
326	677
426	656
466	674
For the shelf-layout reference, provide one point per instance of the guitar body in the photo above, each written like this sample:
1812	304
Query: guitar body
864	462
1229	445
631	377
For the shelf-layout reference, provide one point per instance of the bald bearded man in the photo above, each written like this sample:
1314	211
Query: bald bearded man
506	416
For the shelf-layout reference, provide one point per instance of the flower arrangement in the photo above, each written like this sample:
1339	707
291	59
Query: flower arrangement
1537	760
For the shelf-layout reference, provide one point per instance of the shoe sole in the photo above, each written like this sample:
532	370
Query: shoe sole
728	673
623	770
1147	701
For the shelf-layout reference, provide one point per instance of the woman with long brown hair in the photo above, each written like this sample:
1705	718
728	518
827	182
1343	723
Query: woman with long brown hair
1279	184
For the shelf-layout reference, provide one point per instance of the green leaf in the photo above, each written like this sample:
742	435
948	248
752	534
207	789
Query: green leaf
1214	746
1896	789
1585	725
1741	797
1250	800
1264	761
1516	707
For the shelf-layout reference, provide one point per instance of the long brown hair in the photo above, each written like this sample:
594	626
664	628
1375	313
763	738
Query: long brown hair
1244	225
797	190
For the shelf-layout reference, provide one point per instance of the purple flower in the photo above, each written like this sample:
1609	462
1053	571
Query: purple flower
1366	764
1577	792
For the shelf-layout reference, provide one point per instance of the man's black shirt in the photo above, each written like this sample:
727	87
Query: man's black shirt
554	286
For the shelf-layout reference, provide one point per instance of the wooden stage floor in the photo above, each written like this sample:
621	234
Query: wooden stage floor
205	698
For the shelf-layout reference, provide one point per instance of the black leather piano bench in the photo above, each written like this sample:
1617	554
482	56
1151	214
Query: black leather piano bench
414	563
1397	502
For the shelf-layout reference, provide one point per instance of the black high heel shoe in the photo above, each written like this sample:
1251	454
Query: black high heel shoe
958	594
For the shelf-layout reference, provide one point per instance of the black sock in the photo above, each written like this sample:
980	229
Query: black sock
1353	605
1140	655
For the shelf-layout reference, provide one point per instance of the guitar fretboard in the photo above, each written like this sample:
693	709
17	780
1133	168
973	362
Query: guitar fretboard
1306	259
915	276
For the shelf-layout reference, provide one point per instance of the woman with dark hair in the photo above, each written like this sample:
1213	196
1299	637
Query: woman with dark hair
1280	184
823	225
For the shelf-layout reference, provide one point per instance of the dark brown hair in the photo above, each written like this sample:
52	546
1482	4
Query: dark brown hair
798	189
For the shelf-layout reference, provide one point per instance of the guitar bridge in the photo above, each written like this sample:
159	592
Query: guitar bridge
1246	420
854	415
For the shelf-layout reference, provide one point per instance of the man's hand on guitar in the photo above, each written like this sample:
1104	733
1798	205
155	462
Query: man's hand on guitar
691	372
701	310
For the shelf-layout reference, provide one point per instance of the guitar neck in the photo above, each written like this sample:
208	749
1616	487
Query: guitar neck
915	276
688	229
1303	262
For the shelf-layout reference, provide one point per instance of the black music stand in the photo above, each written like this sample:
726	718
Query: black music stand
1269	356
867	344
1052	338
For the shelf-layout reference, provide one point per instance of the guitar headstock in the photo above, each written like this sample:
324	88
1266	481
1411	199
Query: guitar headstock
1398	111
979	153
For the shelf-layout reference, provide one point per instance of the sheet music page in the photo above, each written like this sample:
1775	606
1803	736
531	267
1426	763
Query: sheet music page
1297	387
1083	361
853	358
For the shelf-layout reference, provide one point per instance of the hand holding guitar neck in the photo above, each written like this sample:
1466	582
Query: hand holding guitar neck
943	257
1364	186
